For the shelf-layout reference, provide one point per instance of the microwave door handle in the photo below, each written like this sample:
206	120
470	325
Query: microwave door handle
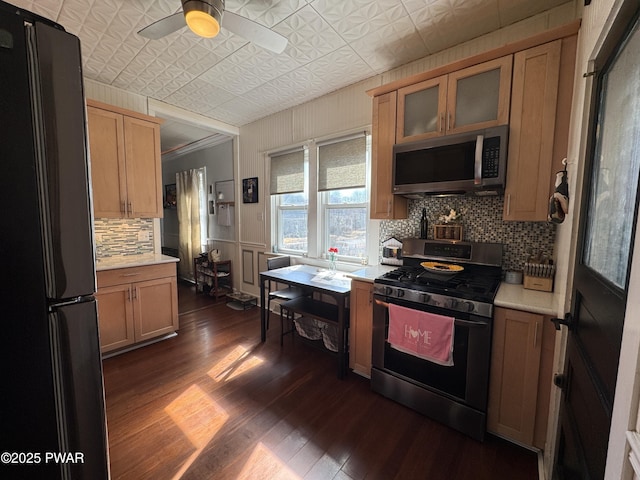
477	171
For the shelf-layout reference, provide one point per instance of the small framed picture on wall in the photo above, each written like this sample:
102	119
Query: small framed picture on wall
250	190
170	197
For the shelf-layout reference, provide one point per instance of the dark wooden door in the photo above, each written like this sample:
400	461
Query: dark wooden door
608	213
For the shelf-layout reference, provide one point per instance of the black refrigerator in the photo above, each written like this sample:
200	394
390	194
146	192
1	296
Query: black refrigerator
52	415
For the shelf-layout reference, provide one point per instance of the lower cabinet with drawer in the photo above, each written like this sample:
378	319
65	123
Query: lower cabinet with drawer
136	304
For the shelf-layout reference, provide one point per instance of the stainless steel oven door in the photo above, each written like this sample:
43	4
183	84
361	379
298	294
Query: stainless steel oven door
465	382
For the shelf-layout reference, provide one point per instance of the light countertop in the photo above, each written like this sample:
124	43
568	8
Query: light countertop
368	274
126	261
519	298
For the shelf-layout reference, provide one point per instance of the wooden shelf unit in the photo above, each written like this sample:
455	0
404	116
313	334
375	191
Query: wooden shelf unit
214	278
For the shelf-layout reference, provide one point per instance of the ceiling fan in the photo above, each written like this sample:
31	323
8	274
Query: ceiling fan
205	17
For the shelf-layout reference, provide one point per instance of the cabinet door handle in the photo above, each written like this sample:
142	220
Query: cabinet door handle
388	208
449	125
508	204
535	335
135	295
129	294
130	209
123	208
130	274
441	128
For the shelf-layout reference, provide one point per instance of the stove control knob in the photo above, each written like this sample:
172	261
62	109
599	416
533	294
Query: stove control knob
388	290
425	297
468	306
400	293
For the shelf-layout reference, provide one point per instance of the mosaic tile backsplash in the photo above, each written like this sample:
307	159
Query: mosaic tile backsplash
123	236
482	222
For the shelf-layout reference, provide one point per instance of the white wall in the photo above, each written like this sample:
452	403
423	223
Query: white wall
218	161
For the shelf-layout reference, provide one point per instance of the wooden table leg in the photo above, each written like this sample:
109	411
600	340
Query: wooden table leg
263	307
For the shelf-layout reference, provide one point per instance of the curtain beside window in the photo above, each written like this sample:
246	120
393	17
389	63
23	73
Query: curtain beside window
342	163
192	218
287	172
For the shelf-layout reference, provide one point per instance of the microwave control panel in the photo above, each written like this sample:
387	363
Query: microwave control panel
491	157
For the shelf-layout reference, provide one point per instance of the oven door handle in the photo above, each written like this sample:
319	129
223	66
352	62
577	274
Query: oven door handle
461	323
466	323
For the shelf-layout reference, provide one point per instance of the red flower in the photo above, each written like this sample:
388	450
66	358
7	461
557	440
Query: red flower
333	250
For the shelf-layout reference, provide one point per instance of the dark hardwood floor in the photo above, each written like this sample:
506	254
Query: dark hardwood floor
215	403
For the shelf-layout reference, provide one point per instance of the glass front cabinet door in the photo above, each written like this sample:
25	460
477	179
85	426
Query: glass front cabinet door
468	99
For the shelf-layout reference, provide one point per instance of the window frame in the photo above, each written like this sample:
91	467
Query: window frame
318	206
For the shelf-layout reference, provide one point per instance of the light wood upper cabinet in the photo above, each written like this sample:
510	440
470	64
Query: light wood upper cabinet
384	204
125	162
108	175
533	103
521	376
468	99
422	110
360	327
539	128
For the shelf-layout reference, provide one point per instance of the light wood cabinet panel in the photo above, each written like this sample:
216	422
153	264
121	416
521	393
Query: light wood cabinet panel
360	327
520	381
125	162
115	317
534	98
108	175
384	204
144	168
155	308
136	304
538	126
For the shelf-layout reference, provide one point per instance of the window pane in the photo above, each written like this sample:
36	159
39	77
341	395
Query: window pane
615	170
352	195
348	230
293	199
293	230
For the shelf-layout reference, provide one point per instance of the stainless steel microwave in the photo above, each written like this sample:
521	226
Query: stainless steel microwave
473	162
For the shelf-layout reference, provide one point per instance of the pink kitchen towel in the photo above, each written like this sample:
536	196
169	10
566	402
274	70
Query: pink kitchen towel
425	335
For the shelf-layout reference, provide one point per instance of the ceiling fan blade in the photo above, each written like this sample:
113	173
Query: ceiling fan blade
254	32
164	26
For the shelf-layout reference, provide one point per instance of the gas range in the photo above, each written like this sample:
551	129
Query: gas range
472	290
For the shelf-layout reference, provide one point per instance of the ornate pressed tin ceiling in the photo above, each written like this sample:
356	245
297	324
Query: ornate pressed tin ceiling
332	43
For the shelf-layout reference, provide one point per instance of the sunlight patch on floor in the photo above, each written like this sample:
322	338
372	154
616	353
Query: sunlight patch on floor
263	464
199	418
237	362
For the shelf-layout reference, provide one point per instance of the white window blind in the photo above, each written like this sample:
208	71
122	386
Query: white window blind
287	172
342	163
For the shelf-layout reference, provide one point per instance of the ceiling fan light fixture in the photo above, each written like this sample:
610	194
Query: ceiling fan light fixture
203	16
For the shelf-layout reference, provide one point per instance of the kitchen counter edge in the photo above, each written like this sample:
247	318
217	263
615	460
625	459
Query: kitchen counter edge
370	273
519	298
113	263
